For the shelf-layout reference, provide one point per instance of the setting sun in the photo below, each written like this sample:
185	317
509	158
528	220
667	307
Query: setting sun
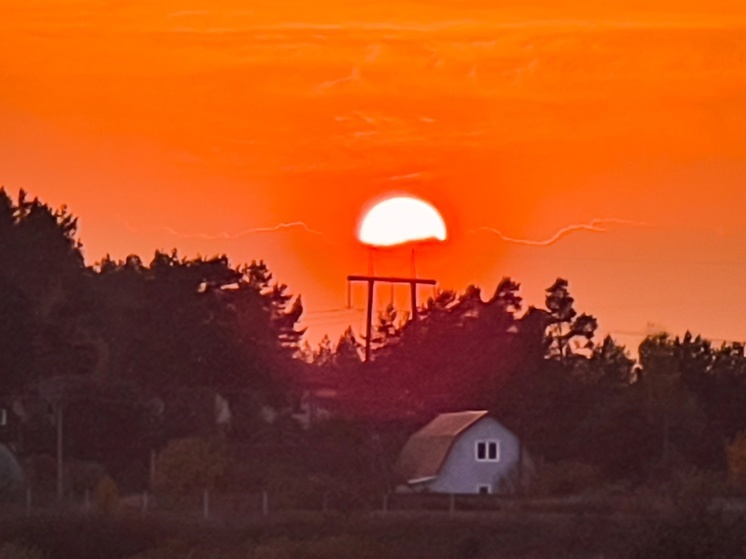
399	220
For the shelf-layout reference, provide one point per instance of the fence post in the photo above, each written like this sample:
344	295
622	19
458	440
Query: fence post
28	501
152	468
452	504
145	501
87	500
206	505
265	504
385	507
325	503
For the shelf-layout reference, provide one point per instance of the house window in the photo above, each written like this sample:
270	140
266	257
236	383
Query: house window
484	489
488	451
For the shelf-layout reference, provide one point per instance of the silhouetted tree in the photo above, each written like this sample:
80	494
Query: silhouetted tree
565	323
456	355
671	407
47	326
347	354
324	354
388	327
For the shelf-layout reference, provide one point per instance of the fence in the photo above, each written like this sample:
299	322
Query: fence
236	507
226	507
239	508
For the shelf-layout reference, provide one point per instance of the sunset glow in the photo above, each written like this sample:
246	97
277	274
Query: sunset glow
543	132
294	277
400	220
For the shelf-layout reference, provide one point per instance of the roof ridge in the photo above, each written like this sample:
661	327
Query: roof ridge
421	457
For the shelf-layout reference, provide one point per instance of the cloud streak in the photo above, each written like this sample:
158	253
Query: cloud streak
354	77
463	25
224	236
594	226
407	177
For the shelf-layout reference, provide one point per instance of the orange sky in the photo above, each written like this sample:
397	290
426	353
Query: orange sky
189	124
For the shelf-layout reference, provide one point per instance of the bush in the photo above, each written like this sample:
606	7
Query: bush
81	475
567	477
189	465
736	454
687	493
106	495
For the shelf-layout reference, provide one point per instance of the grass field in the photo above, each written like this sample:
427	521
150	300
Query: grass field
403	535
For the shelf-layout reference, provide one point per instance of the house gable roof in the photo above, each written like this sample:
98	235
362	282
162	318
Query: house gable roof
425	452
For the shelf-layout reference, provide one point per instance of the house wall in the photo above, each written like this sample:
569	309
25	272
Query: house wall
462	473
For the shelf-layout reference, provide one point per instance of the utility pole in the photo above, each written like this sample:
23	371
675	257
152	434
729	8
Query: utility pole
152	469
371	281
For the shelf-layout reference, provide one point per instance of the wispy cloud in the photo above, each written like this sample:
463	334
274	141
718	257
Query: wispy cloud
407	177
372	52
187	13
468	25
352	78
594	226
224	236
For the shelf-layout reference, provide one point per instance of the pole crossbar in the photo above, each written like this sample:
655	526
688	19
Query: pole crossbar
391	279
371	281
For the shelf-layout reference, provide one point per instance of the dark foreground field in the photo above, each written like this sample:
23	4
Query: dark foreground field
403	536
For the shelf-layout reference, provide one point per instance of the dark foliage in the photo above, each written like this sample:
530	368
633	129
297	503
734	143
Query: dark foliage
134	353
137	353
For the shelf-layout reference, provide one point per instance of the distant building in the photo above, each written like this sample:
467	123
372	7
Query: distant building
314	405
7	434
11	474
9	423
463	452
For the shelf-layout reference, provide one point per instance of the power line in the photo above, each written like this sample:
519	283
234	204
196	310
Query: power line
647	261
332	311
652	333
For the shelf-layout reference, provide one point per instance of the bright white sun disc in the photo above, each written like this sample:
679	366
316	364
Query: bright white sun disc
401	219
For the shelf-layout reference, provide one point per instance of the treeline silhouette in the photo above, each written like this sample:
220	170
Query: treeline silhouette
137	352
677	407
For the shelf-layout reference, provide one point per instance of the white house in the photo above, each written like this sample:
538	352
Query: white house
463	452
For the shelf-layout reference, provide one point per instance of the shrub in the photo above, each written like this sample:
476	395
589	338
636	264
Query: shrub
190	464
106	495
736	454
81	475
568	477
